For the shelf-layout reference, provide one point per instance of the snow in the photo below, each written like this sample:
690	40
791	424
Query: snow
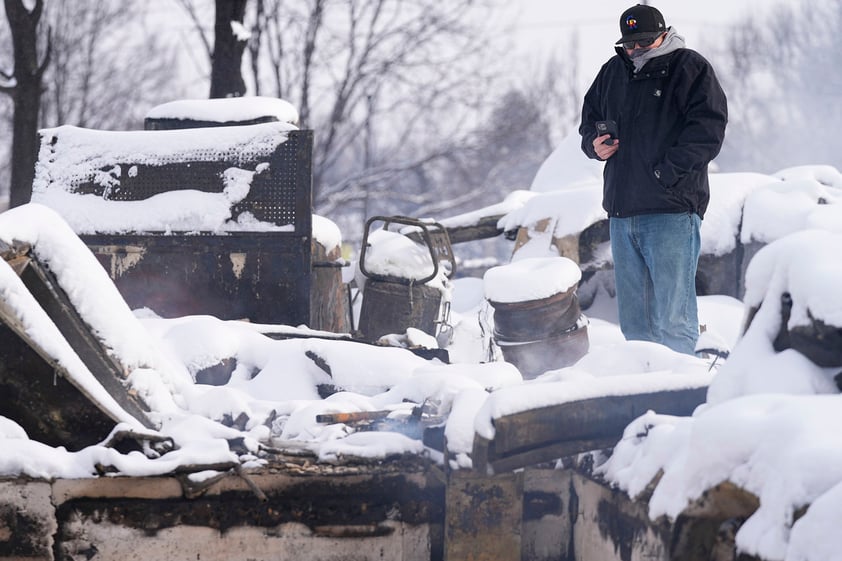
228	110
796	204
770	424
69	155
525	280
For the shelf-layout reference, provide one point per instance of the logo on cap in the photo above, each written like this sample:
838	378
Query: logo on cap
631	22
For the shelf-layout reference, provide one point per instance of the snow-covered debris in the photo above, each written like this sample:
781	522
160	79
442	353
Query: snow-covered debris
92	293
227	110
567	168
70	157
392	254
797	203
766	427
513	201
826	175
569	210
724	217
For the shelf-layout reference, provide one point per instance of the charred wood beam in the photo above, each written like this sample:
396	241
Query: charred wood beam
484	228
557	431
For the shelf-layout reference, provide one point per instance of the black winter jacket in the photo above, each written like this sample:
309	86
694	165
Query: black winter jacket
671	119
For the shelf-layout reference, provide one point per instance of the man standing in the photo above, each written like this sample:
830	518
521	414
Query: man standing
666	113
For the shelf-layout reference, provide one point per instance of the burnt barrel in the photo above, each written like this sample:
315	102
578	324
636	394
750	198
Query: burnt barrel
538	324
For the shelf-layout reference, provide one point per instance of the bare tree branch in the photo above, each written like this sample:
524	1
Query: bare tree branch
190	8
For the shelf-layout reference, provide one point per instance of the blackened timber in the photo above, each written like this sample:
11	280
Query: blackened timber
47	291
485	227
36	393
556	431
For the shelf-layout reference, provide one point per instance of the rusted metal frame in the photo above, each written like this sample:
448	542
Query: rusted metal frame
425	236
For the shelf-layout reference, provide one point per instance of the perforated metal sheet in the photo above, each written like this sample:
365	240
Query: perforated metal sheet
280	195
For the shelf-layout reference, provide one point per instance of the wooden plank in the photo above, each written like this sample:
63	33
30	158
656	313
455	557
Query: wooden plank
46	290
588	418
485	227
37	393
547	433
550	452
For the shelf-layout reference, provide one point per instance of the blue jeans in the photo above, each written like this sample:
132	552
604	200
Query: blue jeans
655	260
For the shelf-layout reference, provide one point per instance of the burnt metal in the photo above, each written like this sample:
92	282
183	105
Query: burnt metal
394	304
533	358
45	288
162	123
192	275
484	517
536	319
50	405
390	307
185	273
542	334
280	194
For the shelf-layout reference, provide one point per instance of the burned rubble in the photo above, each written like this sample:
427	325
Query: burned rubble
527	481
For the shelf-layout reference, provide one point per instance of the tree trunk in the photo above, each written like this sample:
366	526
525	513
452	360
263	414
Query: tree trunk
226	61
26	96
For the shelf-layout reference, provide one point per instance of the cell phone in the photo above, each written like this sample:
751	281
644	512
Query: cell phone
607	127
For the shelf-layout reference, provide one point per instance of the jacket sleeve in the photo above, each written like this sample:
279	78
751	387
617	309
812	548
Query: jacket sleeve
705	111
591	113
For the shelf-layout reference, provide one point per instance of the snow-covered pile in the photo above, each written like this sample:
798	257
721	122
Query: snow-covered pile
566	198
71	156
275	385
804	197
770	424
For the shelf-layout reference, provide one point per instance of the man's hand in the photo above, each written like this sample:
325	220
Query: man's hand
605	151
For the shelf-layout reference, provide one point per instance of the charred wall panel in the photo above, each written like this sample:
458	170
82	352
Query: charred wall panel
369	515
263	277
48	407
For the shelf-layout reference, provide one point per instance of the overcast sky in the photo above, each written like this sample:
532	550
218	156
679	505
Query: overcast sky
545	25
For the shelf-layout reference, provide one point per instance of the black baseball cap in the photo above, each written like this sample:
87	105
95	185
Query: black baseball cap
641	22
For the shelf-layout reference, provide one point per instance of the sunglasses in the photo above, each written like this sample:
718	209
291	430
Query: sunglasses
642	43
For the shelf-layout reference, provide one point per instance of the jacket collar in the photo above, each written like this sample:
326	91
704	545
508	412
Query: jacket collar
658	67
